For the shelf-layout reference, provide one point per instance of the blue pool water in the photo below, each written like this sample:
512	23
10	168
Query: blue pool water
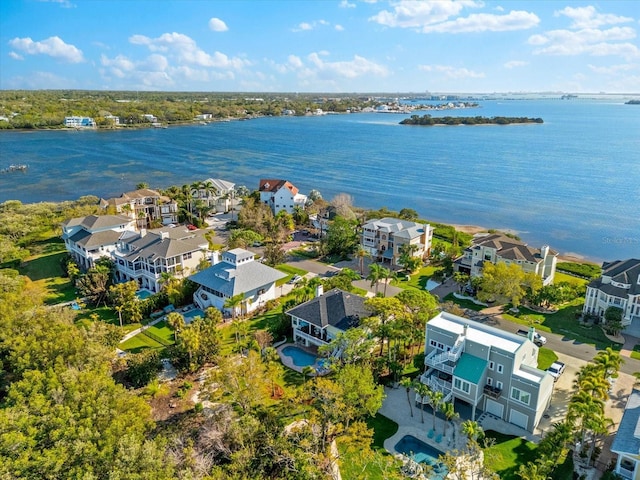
299	356
422	453
191	314
143	293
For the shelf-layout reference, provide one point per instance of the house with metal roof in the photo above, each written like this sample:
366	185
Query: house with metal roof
626	443
383	238
619	286
318	321
497	248
484	369
216	193
89	238
280	195
236	274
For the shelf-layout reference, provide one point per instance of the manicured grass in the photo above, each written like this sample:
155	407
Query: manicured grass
417	279
564	322
546	357
383	428
138	343
508	454
163	331
636	352
563	277
45	271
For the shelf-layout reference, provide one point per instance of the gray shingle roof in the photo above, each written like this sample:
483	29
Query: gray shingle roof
510	248
94	222
91	240
153	246
336	307
627	438
231	280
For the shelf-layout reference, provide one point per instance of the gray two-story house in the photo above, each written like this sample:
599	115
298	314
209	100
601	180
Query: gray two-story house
486	369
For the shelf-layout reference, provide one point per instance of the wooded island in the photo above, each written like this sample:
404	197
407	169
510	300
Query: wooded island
429	120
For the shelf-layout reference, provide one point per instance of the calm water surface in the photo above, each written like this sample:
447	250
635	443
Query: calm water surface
572	182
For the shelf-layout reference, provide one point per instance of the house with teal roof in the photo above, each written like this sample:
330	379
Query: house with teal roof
483	369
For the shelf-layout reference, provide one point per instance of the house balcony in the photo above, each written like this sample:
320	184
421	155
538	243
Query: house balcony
313	333
492	392
314	340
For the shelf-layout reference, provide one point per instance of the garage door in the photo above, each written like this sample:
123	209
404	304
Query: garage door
519	419
494	408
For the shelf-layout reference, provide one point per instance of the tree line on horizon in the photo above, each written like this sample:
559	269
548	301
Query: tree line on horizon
478	120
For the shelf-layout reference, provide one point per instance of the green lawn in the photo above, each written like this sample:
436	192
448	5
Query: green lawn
636	352
138	343
45	271
564	277
417	279
508	454
564	322
163	331
463	303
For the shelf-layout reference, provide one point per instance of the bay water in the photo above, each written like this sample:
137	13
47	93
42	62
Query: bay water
572	182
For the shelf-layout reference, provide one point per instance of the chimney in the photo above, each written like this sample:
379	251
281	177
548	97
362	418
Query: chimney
164	235
215	257
532	334
143	232
544	251
319	290
464	329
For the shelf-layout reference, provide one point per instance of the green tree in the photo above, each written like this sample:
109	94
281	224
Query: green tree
502	282
143	367
361	254
232	303
407	383
341	238
375	274
407	257
176	321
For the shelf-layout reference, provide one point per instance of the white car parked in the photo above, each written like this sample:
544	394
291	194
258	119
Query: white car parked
556	369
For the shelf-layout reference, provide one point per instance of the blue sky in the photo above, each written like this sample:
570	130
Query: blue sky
321	46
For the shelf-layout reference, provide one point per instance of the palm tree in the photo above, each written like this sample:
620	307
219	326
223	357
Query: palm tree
375	274
472	430
435	401
407	383
232	303
175	321
450	413
361	254
388	276
307	371
424	391
610	362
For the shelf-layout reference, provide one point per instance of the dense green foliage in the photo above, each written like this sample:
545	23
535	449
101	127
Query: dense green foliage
586	270
429	120
47	108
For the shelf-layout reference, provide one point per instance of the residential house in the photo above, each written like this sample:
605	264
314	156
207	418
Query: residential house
384	238
217	193
148	207
115	120
95	236
145	256
497	248
482	367
318	321
237	274
619	286
79	122
280	195
626	443
150	118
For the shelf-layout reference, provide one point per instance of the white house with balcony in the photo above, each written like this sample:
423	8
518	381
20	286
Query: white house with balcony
384	238
498	248
318	321
95	236
485	368
145	256
79	122
146	206
280	195
236	274
215	192
626	443
619	286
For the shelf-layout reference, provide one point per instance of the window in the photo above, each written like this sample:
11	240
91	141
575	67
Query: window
499	385
520	396
500	368
433	343
461	385
490	381
441	346
491	365
188	255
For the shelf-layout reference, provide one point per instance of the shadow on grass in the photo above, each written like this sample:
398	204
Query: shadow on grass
508	453
47	266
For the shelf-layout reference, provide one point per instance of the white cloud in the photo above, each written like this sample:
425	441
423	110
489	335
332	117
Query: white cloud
16	56
347	4
53	46
217	25
295	61
613	69
451	72
42	80
357	67
339	28
486	22
418	14
185	50
588	17
589	41
515	64
63	3
304	26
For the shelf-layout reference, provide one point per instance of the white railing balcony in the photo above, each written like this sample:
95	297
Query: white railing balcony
625	473
310	338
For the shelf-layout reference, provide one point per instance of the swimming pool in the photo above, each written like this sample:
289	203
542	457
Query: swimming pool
191	314
143	293
299	356
431	284
420	452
